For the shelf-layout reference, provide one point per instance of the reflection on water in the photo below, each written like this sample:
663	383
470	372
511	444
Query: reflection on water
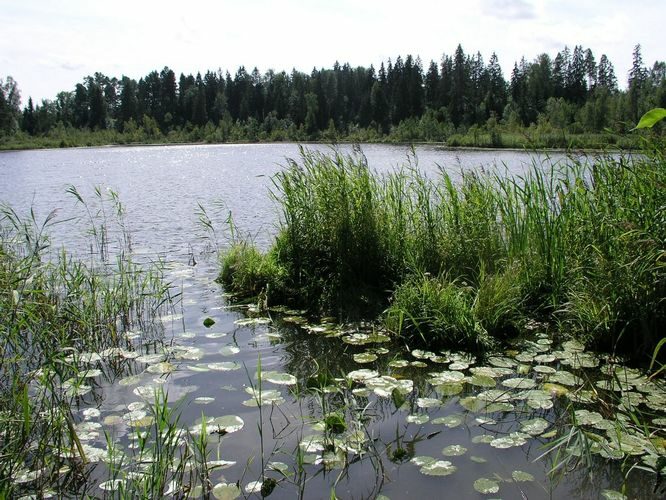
412	423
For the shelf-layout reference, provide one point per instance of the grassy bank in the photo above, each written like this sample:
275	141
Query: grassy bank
407	132
465	261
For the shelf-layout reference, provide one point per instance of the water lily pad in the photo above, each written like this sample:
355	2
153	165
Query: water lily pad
513	439
151	358
281	467
361	375
438	468
161	368
224	366
446	377
253	487
535	426
585	417
519	383
458	365
501	362
454	450
483	438
486	486
420	461
279	378
265	397
224	491
449	389
428	402
398	363
546	370
482	381
419	354
215	335
365	357
449	421
417	419
229	350
522	477
225	424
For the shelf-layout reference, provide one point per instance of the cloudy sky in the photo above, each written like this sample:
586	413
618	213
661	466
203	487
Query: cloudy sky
50	45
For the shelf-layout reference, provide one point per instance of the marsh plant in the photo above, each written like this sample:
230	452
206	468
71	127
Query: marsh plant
578	243
65	320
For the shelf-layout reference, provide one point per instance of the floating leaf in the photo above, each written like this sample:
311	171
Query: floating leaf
361	375
428	402
519	383
279	378
513	439
224	491
438	468
229	350
535	426
478	460
522	477
485	486
482	381
417	419
365	357
449	421
420	461
454	450
208	322
224	366
161	368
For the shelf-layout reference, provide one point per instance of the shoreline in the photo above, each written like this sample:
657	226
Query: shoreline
438	145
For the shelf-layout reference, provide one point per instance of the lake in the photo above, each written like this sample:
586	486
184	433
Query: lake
438	435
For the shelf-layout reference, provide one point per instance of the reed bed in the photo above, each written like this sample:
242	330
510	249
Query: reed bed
464	260
58	315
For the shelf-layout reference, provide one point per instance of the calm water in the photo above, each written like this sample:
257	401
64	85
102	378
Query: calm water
160	188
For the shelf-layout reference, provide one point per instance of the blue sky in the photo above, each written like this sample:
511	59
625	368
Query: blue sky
49	45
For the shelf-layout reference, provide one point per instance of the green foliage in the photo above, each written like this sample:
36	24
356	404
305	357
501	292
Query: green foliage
580	244
247	273
651	118
53	309
462	97
437	313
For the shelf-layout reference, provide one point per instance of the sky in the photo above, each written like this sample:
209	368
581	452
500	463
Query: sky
50	45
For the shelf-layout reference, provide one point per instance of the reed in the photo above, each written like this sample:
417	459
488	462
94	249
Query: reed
53	308
577	244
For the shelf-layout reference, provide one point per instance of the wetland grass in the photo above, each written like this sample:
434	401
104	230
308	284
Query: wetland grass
65	325
578	244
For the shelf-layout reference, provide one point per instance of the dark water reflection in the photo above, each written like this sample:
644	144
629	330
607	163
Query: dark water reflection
160	188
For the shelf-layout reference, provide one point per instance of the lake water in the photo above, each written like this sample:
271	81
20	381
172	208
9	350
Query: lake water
161	188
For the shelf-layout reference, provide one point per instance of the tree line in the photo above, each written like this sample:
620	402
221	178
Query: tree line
572	91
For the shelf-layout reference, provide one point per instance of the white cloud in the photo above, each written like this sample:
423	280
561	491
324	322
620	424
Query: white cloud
49	46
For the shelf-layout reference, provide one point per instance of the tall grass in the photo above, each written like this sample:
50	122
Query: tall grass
54	308
580	244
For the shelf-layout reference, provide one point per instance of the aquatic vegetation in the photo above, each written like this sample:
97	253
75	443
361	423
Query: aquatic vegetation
461	261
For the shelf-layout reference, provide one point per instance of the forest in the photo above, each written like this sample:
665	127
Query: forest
569	100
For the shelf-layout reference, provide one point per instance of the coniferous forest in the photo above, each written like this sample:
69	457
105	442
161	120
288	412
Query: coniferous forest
570	100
